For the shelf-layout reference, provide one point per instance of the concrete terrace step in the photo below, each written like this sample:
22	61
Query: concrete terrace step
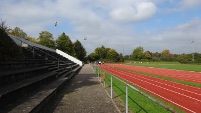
12	76
41	101
6	73
11	93
18	65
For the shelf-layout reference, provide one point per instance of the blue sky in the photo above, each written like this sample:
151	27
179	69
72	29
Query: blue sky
119	24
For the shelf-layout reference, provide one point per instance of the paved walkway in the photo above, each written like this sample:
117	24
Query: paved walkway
85	94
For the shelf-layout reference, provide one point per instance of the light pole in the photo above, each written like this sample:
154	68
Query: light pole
85	38
192	51
55	29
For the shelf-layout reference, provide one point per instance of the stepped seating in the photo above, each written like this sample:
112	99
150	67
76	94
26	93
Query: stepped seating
31	85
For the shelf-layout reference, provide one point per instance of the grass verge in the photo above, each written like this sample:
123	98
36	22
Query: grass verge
186	67
137	102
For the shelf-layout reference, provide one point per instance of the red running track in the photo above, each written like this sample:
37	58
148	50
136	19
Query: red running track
178	74
185	97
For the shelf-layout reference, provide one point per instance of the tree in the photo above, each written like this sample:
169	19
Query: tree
138	53
113	56
105	54
46	39
197	58
166	55
32	39
18	32
101	52
147	55
64	44
127	57
3	26
93	57
11	53
184	58
121	57
79	50
156	56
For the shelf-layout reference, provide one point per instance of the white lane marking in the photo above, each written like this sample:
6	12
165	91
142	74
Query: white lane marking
156	94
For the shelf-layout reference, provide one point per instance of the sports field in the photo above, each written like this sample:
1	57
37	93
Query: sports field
167	65
169	85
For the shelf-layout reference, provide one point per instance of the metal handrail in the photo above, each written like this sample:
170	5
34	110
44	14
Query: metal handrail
31	44
137	90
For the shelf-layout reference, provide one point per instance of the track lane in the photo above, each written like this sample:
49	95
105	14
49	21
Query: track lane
176	94
178	74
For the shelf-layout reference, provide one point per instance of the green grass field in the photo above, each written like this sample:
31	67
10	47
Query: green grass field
137	102
167	65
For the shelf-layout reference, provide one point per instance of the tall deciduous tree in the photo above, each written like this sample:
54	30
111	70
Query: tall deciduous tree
147	55
113	56
166	55
156	56
79	50
46	39
101	52
105	54
93	57
64	44
138	53
18	32
9	50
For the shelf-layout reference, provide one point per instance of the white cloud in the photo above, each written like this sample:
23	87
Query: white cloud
134	12
101	21
177	39
190	3
31	16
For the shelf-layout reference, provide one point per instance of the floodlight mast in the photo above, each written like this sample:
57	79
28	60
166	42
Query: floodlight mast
56	34
85	38
193	59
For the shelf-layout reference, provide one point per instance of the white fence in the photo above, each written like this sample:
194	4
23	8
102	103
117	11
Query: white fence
69	57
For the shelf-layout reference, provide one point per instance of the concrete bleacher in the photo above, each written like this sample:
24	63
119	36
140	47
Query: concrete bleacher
30	85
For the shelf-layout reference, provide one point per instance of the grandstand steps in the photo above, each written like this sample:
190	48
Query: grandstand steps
46	96
31	86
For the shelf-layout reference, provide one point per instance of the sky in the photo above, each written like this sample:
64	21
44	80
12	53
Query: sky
122	25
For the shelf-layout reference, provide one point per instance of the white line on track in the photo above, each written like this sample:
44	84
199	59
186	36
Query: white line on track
161	87
156	94
165	83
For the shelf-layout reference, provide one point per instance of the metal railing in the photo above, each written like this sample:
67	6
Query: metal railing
98	70
21	41
32	44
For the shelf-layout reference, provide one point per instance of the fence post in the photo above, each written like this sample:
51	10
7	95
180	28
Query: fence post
95	69
111	86
98	74
126	98
104	83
